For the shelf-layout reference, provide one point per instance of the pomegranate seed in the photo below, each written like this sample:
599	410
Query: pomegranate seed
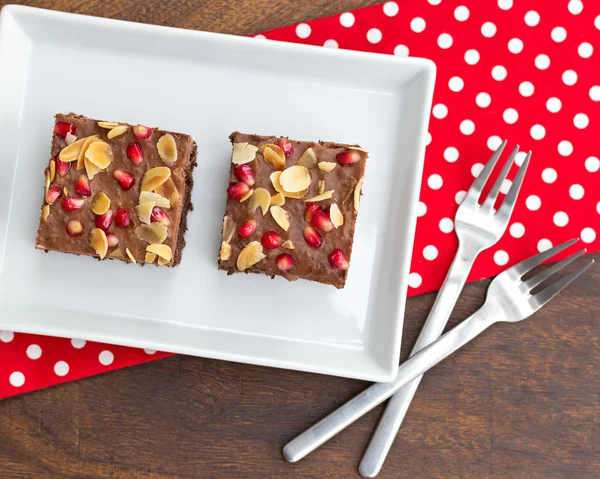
82	186
271	240
122	218
72	204
235	192
135	152
142	132
247	229
74	228
286	146
348	157
112	240
338	260
53	194
244	173
311	209
285	262
320	220
159	215
104	221
124	178
61	128
312	237
62	167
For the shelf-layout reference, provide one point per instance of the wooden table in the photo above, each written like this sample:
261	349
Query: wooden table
523	401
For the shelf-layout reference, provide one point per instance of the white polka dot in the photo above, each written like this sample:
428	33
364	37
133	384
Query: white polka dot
598	207
542	61
401	51
549	175
515	45
595	93
588	235
471	56
585	50
520	158
106	358
467	127
430	252
483	100
537	132
476	169
526	88
17	379
517	230
390	9
417	25
505	186
505	4
260	37
421	209
303	30
330	44
428	138
440	111
61	368
78	343
500	257
565	148
444	40
532	18
488	29
510	116
456	84
451	154
554	105
499	73
434	2
461	13
435	182
414	280
460	196
576	192
374	35
34	351
560	219
558	34
581	120
544	245
533	202
6	336
592	164
494	142
150	352
446	225
569	77
575	7
347	19
597	22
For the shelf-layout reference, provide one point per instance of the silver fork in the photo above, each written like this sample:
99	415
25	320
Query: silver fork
509	299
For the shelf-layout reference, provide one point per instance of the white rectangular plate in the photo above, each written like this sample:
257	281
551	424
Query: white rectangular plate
208	85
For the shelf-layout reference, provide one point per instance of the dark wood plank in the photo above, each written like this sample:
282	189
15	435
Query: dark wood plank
520	402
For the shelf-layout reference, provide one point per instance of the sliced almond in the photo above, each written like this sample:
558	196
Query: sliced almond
71	152
52	168
118	254
357	191
167	149
326	166
294	179
45	213
323	196
117	131
159	200
287	244
275	181
169	190
162	261
144	211
337	218
100	203
225	252
308	159
47	185
246	196
243	153
128	253
250	255
65	191
154	233
100	154
98	241
364	150
161	250
321	187
88	141
350	190
90	169
154	178
149	258
278	200
109	125
281	217
273	156
229	227
262	198
70	138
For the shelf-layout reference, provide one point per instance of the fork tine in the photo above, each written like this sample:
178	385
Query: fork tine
530	263
549	292
544	275
493	194
480	181
508	204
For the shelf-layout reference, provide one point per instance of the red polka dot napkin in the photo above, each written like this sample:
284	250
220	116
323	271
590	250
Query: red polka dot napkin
525	70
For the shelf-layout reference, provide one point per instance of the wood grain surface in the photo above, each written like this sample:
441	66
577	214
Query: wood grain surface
522	401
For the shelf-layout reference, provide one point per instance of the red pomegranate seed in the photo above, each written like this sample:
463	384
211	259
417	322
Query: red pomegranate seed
135	153
74	228
247	229
159	215
82	186
312	237
285	261
62	167
122	218
320	220
235	192
311	209
104	221
271	240
338	260
124	178
112	240
348	157
72	204
61	128
244	173
142	132
53	194
286	146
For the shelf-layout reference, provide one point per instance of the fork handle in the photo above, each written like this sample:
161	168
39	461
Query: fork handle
374	395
